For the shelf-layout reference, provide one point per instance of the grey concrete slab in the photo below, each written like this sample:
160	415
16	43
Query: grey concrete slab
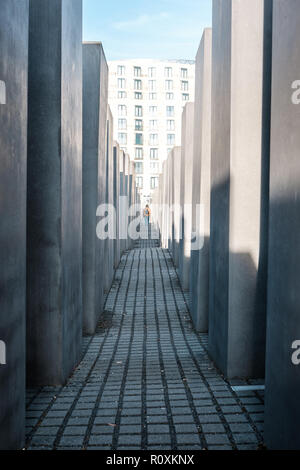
165	206
176	203
240	158
131	196
170	198
283	326
95	97
13	153
116	188
122	206
187	145
199	265
108	246
126	194
54	197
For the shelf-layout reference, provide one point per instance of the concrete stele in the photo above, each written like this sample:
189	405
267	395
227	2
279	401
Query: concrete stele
13	151
282	411
187	145
95	97
241	51
54	196
199	272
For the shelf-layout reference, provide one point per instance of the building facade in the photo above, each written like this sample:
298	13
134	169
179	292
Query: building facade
147	98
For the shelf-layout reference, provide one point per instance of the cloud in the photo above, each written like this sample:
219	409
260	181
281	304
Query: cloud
139	21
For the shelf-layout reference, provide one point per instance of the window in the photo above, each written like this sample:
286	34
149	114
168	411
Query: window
169	84
139	182
137	84
153	125
184	85
168	72
139	167
170	139
170	125
152	85
122	110
184	73
138	95
138	125
139	153
169	96
122	138
138	139
153	139
138	111
170	111
122	124
121	83
152	110
122	94
152	96
137	71
154	167
153	182
121	70
154	154
185	96
152	72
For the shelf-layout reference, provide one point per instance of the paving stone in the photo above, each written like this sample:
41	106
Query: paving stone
130	439
209	419
188	438
244	438
159	439
130	429
74	431
142	404
98	439
160	419
213	428
217	439
240	427
158	428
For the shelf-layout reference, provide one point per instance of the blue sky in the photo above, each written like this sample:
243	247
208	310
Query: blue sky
159	29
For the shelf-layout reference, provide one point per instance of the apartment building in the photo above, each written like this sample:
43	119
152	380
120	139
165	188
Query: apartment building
146	98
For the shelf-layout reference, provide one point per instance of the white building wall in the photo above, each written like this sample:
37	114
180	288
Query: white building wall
180	96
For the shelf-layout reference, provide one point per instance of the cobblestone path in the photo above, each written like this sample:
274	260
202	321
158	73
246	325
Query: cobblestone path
145	380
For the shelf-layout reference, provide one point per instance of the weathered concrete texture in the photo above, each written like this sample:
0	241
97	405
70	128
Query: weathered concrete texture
199	268
165	204
109	243
95	97
187	145
283	326
240	158
131	197
176	203
126	175
116	194
13	151
170	198
54	214
122	205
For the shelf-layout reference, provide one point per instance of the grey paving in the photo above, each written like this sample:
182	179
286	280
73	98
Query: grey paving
145	380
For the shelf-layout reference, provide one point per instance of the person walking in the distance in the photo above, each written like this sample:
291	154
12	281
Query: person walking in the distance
147	214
